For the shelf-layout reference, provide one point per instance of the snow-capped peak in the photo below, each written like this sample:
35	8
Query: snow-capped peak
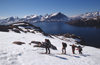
13	17
55	17
31	16
54	14
87	15
1	17
90	15
57	13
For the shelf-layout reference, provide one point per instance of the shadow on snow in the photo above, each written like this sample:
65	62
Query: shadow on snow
63	58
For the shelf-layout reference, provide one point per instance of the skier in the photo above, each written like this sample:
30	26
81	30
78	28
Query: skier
79	49
73	48
64	45
47	45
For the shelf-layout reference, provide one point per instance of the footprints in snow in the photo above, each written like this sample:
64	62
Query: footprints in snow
9	59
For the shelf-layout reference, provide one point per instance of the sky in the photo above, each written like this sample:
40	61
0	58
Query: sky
22	8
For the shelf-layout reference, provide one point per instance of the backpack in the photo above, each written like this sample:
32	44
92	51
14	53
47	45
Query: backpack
64	44
80	48
46	44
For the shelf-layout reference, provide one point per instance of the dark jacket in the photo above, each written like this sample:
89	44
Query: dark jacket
73	46
47	44
79	48
64	45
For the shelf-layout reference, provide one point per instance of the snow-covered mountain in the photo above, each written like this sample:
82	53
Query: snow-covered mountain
56	17
91	19
32	18
9	20
86	15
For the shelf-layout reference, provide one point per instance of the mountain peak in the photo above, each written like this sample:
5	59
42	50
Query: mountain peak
55	17
57	13
31	16
87	15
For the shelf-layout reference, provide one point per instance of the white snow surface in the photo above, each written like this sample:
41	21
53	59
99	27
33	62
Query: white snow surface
12	54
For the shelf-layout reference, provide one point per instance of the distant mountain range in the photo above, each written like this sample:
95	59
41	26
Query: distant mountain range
91	19
55	17
88	15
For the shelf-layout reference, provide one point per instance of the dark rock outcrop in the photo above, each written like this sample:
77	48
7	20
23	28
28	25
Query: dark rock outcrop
85	22
21	27
18	43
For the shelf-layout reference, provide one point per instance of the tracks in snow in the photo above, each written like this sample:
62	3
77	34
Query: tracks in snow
9	59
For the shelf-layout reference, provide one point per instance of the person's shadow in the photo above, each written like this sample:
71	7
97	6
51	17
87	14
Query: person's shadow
63	58
84	55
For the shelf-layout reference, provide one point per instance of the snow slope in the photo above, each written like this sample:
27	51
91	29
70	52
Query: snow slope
12	54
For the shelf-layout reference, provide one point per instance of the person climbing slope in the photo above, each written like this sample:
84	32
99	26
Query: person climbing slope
73	48
79	49
47	45
64	45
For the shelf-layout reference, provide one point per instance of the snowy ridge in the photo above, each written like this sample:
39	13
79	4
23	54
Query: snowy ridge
19	27
29	17
55	17
35	18
54	14
91	19
9	20
86	15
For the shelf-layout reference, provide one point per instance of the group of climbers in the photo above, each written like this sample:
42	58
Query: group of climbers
47	45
